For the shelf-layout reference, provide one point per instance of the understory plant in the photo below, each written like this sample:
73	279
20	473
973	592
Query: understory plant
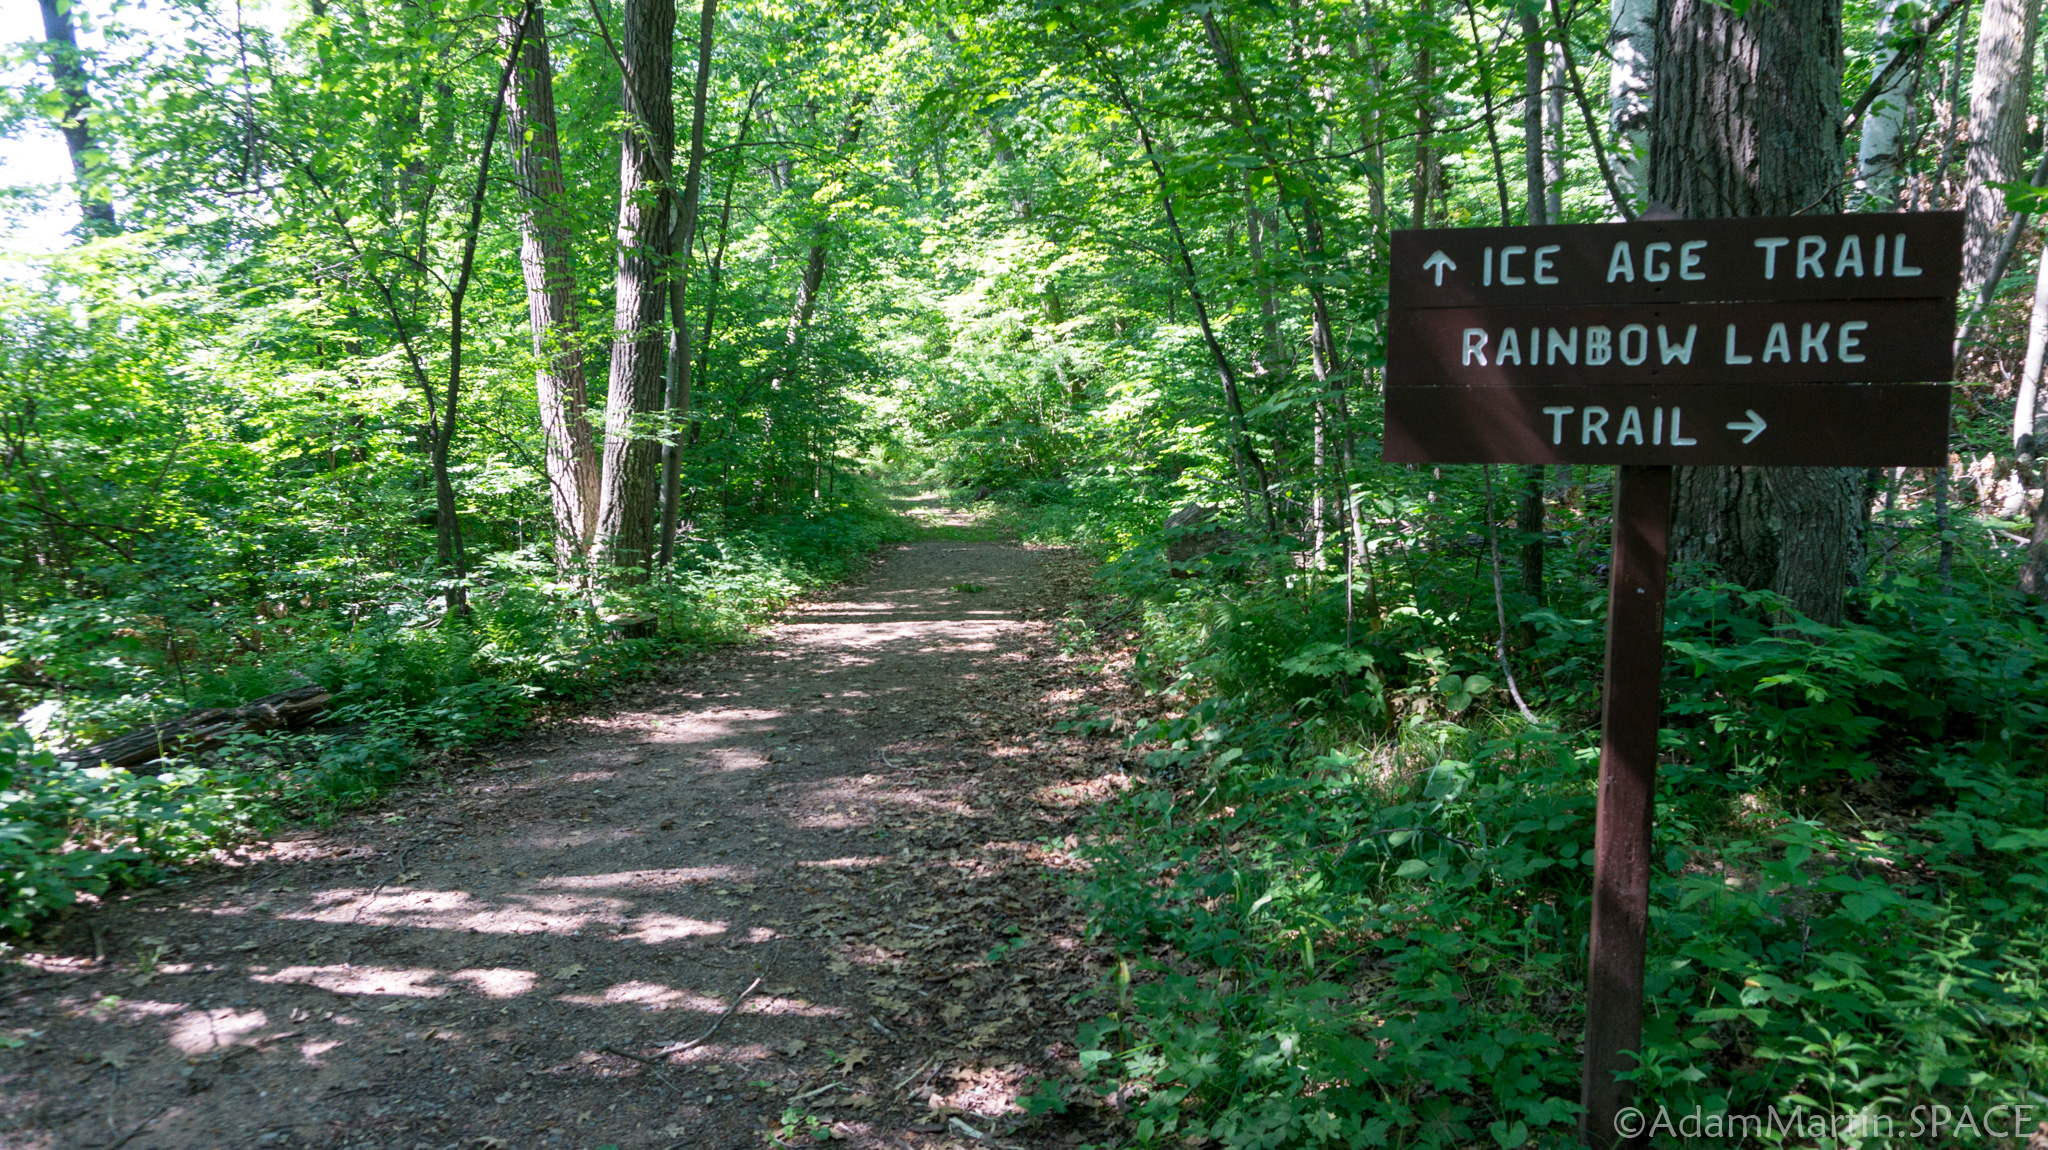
1349	908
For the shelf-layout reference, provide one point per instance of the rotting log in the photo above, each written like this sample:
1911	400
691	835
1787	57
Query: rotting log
197	732
1195	532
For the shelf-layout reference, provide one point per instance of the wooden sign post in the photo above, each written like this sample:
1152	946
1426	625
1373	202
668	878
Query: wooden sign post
1804	341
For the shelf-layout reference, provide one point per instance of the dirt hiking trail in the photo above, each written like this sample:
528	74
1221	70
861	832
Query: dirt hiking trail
861	818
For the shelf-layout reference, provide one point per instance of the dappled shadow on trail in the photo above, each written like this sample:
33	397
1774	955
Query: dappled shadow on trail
847	817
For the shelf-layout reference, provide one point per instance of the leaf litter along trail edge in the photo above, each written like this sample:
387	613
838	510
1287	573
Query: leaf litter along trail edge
613	881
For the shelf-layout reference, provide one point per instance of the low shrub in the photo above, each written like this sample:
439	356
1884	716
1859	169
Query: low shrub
404	682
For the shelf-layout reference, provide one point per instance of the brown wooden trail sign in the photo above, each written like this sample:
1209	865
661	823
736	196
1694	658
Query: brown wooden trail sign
1801	341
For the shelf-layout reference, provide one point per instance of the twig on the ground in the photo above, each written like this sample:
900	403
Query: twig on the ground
955	1123
679	1047
905	1080
819	1090
653	1066
124	1139
609	1049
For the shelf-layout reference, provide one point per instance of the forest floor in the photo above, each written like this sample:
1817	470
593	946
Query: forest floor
856	828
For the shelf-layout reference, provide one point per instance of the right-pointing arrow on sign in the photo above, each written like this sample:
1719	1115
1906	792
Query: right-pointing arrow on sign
1754	425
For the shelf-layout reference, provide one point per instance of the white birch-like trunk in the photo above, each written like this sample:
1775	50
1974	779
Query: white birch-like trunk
1631	40
2026	413
1877	153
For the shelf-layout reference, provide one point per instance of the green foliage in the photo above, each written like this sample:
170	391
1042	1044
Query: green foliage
404	683
1352	903
66	831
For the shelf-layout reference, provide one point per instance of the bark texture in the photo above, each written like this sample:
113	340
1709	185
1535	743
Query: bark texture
632	455
1533	152
1749	126
1998	127
1425	128
1631	42
68	73
1553	137
1749	108
1883	135
544	240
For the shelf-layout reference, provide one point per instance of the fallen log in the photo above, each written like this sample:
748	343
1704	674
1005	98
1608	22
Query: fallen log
1195	532
206	729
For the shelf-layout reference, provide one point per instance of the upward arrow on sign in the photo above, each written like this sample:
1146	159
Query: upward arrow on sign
1771	341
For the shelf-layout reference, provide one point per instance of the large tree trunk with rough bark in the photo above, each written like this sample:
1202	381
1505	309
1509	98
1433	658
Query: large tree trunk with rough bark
67	71
630	490
544	240
1748	124
1998	126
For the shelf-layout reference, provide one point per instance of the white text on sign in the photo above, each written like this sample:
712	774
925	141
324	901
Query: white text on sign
1631	346
1794	257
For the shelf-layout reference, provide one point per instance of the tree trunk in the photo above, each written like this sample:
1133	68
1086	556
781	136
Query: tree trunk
1243	451
682	235
1425	130
1269	307
67	71
2026	414
1749	126
1877	153
1998	126
1535	201
1631	42
807	288
1539	197
715	272
632	455
448	525
1553	138
544	244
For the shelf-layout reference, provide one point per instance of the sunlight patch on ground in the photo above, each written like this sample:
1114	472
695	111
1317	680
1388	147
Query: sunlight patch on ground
666	877
497	981
140	1009
649	996
460	910
311	1049
656	927
201	1031
341	978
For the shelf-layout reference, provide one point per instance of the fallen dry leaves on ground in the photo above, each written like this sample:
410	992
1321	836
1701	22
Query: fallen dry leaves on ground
816	888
